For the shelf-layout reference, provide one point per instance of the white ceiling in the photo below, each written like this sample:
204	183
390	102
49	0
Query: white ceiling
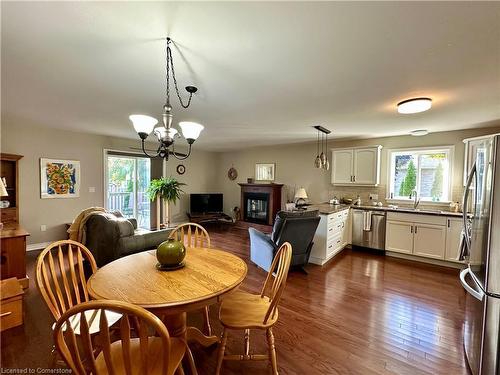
266	72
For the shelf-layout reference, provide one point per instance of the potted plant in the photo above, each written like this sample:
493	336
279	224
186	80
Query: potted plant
168	190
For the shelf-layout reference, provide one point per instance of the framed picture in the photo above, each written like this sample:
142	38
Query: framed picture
59	178
264	172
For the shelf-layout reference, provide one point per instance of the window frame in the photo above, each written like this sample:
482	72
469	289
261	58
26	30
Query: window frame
450	149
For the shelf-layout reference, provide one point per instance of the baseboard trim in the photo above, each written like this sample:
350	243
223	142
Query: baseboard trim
436	262
37	246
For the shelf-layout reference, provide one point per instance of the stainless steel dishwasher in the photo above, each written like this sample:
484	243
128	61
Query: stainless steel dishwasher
373	238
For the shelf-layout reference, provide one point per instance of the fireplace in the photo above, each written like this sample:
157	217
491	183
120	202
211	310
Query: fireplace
256	207
260	202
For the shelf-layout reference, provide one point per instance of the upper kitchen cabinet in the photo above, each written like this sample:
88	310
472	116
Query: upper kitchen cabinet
356	166
474	148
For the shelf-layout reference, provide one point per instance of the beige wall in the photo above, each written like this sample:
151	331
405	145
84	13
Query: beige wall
294	165
37	142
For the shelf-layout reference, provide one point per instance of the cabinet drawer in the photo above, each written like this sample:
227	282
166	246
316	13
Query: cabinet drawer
11	314
416	218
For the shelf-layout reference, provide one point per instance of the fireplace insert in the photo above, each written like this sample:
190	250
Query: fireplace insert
256	207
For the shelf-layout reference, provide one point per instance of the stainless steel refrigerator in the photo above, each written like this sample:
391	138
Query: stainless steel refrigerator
481	279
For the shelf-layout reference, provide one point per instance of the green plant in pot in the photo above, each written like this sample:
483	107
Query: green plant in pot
165	189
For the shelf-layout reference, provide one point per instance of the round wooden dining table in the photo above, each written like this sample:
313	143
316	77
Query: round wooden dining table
207	276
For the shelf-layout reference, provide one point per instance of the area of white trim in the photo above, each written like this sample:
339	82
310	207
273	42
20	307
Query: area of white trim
437	262
37	246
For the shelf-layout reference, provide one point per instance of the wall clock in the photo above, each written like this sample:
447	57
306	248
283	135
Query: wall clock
232	173
181	169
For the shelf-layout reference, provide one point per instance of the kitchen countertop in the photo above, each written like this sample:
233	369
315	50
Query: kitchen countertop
327	209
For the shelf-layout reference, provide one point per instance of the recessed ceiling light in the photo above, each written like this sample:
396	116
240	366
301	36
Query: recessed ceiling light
414	105
419	132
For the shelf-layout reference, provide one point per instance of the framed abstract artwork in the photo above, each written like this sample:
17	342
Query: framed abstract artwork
264	172
59	178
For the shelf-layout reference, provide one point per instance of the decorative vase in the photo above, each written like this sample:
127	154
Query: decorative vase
170	253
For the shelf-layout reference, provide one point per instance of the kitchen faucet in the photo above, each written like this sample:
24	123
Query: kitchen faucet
416	199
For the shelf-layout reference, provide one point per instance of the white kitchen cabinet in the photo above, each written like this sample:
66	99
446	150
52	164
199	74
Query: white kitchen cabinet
399	237
356	166
453	234
416	234
429	240
342	161
331	236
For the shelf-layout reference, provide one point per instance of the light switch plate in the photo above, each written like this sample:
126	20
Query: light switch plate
43	228
91	189
373	197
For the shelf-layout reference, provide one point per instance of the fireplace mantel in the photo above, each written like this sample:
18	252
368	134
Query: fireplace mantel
273	193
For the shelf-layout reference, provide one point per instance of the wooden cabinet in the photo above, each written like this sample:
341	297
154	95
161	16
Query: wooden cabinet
416	234
342	164
9	170
356	166
429	240
332	235
13	253
399	237
11	304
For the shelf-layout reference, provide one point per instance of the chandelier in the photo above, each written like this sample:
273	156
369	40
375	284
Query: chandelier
165	133
321	160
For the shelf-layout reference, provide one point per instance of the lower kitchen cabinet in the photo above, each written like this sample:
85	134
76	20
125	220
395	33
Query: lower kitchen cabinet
429	240
332	235
399	237
428	236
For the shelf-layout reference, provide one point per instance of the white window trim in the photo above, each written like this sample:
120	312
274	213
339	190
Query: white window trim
451	153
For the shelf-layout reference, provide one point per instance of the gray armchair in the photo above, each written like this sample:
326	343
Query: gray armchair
298	228
110	236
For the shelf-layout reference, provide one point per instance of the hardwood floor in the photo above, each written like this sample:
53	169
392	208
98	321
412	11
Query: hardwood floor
361	313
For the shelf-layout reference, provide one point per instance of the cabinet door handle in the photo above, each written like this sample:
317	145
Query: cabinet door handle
5	314
354	178
416	227
411	229
448	223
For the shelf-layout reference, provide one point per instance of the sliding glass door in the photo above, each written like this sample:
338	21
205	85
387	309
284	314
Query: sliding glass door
127	179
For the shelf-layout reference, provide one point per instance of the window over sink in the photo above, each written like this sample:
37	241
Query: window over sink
424	170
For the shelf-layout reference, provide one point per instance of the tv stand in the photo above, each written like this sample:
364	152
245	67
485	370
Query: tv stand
206	218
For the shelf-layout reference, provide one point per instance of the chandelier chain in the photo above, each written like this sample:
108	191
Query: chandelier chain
170	65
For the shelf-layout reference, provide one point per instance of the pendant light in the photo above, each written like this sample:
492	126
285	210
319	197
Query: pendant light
321	160
326	164
317	160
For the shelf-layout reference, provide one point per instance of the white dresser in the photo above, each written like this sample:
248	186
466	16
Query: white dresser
332	235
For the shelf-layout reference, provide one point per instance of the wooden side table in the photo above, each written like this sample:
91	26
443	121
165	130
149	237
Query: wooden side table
11	304
13	253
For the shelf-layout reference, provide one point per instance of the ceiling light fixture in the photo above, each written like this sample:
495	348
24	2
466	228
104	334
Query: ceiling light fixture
321	160
165	133
419	132
414	105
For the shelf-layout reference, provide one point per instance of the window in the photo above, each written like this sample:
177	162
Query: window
426	171
127	179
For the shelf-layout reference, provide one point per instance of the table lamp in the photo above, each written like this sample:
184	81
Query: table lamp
300	197
3	193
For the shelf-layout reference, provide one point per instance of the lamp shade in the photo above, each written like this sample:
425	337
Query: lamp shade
143	123
162	133
191	130
3	190
301	194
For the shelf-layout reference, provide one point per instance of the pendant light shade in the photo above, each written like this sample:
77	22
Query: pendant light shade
143	124
321	160
191	130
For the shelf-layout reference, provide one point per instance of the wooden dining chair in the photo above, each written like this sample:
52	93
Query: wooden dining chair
60	278
245	311
153	352
194	235
191	234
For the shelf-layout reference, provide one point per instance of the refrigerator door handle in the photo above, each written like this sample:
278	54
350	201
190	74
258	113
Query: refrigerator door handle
466	249
478	294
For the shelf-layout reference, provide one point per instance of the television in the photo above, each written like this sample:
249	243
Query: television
206	203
